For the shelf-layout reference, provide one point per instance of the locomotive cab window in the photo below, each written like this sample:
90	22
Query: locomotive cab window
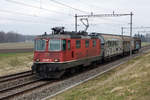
78	43
54	45
40	45
57	45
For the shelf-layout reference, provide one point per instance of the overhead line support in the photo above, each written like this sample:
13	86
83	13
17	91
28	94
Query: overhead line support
108	15
103	15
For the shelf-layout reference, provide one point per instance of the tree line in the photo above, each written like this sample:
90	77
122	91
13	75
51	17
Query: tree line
144	38
14	37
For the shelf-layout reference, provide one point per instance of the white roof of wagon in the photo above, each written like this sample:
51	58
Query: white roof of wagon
111	37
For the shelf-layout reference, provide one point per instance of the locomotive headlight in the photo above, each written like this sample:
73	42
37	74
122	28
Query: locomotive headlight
56	60
37	60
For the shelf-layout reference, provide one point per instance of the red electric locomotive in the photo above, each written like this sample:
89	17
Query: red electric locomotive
62	50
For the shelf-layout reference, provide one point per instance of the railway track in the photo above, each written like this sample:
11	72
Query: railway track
22	88
19	83
10	82
15	76
32	88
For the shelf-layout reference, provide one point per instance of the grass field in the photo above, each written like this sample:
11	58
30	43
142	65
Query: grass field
130	81
145	43
19	45
15	62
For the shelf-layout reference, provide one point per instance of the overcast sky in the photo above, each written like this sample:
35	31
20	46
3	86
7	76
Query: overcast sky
34	17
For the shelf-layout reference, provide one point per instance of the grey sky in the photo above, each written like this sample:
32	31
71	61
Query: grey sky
28	20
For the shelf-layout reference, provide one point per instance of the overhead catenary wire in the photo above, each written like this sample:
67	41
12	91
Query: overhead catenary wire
68	6
99	8
28	5
33	7
41	7
25	14
19	13
91	5
31	21
26	21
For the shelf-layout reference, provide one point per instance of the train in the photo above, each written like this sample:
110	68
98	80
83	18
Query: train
63	51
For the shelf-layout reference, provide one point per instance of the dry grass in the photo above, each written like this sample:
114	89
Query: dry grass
145	43
15	62
19	45
129	81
